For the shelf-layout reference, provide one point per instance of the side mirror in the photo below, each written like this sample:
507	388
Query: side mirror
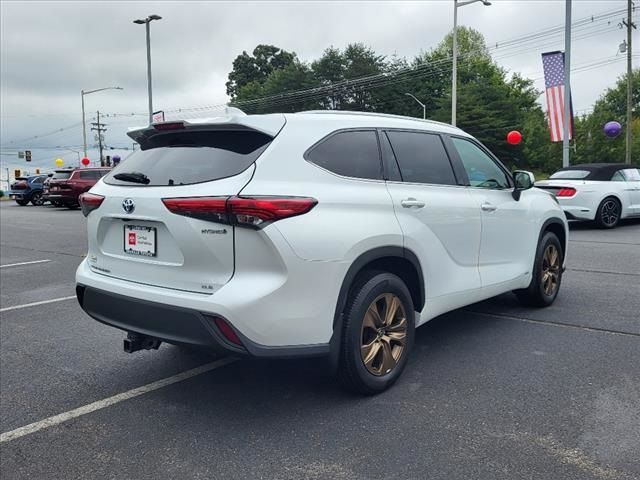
524	181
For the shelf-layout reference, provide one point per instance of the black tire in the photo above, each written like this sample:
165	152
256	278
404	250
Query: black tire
374	289
608	213
537	293
56	203
22	203
36	199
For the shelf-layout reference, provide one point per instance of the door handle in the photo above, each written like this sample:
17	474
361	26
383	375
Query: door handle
487	207
411	203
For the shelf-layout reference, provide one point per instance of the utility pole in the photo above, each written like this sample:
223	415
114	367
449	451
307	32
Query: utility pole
629	24
99	127
566	124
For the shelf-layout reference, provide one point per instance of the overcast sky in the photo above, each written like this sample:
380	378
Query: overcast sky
51	50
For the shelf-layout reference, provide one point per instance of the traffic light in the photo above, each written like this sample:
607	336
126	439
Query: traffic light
37	171
16	173
27	155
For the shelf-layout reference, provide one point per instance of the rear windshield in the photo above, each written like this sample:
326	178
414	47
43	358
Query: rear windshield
184	158
570	174
61	175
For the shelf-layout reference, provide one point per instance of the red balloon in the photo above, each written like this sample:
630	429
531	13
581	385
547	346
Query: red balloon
85	161
514	137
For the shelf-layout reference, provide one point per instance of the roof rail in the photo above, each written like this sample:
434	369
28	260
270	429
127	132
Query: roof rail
375	114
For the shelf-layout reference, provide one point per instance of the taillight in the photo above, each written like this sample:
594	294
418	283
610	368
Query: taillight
89	202
258	211
254	212
21	185
213	209
566	192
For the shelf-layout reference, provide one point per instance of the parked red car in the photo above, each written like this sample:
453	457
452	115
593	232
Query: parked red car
66	185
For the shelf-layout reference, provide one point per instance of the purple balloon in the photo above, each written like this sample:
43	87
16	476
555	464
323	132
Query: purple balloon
612	129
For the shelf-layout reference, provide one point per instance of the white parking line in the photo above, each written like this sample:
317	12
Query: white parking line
34	304
100	404
24	263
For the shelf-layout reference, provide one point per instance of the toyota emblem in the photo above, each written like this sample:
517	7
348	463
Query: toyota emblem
128	205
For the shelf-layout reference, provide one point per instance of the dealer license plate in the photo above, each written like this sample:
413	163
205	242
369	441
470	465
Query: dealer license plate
140	240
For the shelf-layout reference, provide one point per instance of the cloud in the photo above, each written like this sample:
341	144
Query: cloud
52	50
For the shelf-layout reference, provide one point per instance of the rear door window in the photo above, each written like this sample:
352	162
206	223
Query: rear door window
89	175
422	158
632	174
188	157
351	153
61	175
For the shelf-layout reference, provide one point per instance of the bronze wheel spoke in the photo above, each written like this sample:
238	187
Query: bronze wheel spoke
369	352
397	338
392	303
399	326
388	362
374	316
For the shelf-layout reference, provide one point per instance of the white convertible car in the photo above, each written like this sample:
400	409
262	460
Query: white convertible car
601	192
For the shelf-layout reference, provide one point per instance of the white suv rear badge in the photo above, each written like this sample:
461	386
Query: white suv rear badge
128	205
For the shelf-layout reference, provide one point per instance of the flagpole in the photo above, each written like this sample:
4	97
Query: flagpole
567	86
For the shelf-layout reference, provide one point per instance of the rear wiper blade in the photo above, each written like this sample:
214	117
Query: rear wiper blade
135	177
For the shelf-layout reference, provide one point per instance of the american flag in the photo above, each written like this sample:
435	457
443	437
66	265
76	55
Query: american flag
553	65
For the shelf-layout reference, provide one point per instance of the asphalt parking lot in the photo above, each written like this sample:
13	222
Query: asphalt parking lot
493	391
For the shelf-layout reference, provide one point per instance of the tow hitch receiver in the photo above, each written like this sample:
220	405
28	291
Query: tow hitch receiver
135	342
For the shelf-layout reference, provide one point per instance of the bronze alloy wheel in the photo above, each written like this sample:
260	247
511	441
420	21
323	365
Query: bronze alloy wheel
384	334
550	270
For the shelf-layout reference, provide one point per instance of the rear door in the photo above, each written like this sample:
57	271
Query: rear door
632	178
135	237
438	217
509	233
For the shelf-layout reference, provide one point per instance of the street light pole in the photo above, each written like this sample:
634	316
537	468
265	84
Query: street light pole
424	107
454	75
84	125
146	23
149	72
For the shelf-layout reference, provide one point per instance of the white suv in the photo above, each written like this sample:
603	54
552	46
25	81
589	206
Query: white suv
311	234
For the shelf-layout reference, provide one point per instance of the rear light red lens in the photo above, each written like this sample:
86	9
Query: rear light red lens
89	202
254	212
258	211
226	330
21	185
169	126
566	192
212	209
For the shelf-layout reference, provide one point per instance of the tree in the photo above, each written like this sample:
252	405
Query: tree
264	60
591	143
271	94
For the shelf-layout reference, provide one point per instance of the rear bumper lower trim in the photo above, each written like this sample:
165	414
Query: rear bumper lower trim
178	325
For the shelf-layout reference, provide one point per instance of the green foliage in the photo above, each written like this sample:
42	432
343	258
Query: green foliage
264	60
592	145
491	102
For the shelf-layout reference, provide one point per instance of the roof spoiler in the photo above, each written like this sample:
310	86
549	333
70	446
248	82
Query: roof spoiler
233	119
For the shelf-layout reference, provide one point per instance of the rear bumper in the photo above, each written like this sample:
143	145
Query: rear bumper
167	323
178	325
62	197
19	194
